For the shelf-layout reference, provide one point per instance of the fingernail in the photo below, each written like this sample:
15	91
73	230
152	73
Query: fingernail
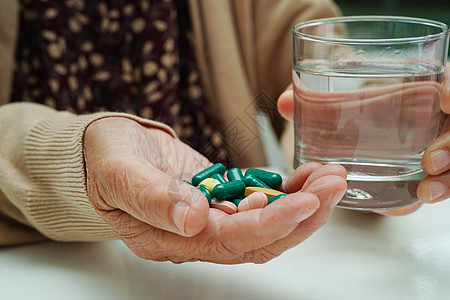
336	198
439	160
437	189
306	213
179	215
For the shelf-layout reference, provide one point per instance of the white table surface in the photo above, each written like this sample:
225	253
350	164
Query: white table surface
355	256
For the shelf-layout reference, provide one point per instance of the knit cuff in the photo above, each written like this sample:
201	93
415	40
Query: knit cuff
57	202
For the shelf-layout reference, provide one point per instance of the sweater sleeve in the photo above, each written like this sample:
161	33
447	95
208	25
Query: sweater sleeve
273	22
43	192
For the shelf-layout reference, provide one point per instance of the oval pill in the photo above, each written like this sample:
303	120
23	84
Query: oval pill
253	201
235	174
206	173
230	190
210	183
225	206
272	199
268	192
250	180
272	179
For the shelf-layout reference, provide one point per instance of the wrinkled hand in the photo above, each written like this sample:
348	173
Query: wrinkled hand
135	184
435	161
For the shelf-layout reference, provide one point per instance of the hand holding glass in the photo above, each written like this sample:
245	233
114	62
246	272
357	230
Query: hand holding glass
367	93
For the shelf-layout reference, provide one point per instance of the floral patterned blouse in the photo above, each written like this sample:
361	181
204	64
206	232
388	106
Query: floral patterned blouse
133	56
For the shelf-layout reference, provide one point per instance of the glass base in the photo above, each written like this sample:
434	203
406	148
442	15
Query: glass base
381	195
376	184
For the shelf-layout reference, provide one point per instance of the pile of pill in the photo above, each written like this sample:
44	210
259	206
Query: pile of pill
256	186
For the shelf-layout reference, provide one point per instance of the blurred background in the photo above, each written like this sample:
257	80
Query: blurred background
438	10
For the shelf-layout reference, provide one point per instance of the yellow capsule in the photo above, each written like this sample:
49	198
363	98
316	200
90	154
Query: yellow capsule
210	183
269	192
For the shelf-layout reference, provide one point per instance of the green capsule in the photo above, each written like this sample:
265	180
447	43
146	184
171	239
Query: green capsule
214	169
218	177
270	200
235	174
272	179
205	191
187	182
250	180
230	190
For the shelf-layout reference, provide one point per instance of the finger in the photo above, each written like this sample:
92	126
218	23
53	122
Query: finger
445	95
149	195
436	158
329	189
254	229
285	104
434	188
295	182
400	211
330	169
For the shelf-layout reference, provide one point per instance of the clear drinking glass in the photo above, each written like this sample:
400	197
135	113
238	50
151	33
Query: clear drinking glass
367	92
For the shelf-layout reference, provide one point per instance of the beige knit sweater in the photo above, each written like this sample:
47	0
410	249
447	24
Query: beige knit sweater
243	48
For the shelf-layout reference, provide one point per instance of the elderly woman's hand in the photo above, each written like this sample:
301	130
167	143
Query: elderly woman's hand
135	184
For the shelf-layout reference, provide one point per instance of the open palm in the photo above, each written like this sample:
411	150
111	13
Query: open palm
135	184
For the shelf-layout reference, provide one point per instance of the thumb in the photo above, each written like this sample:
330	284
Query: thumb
149	195
285	104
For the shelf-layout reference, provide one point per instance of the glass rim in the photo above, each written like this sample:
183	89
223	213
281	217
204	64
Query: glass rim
426	22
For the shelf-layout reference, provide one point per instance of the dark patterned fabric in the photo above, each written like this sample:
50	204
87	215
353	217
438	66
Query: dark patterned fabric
131	56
